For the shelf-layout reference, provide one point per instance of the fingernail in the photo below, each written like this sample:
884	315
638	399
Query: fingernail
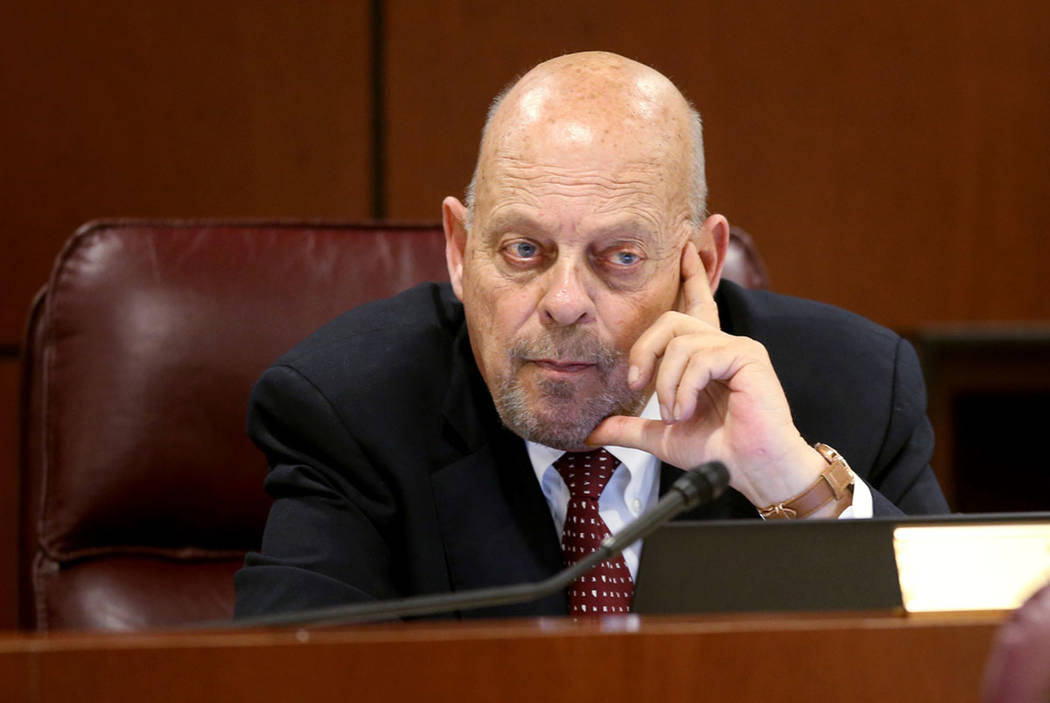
632	375
664	415
677	412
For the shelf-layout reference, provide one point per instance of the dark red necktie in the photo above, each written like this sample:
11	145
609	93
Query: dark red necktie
607	588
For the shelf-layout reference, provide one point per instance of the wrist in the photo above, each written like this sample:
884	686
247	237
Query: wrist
790	475
827	497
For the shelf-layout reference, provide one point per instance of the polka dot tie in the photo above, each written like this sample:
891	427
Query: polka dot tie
607	588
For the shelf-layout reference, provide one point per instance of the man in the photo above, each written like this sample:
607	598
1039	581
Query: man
436	441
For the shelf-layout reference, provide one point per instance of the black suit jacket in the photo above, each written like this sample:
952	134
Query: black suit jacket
392	474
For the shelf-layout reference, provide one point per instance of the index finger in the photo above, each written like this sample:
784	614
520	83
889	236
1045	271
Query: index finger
696	299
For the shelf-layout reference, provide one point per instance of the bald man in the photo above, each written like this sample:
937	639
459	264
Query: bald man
445	439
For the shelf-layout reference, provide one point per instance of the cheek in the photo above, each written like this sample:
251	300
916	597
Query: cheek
497	304
497	311
627	317
628	324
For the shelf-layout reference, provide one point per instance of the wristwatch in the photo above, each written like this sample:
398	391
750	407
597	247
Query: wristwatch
835	485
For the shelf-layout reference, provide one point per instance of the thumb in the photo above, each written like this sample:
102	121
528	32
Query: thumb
633	432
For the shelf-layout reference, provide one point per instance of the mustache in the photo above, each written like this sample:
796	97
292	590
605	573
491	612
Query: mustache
566	344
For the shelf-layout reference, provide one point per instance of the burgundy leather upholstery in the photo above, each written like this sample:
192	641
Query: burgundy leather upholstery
743	264
141	491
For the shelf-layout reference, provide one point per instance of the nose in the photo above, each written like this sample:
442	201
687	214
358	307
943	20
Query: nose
566	299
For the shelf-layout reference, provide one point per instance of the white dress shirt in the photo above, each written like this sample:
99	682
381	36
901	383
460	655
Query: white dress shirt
633	488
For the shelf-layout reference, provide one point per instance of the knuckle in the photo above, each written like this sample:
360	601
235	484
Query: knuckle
672	318
642	357
697	367
756	349
679	345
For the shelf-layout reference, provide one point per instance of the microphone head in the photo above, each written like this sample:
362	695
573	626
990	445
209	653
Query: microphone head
703	483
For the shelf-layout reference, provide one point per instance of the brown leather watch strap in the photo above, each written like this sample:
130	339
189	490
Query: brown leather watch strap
835	484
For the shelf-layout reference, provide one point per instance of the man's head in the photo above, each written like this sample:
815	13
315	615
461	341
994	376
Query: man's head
588	186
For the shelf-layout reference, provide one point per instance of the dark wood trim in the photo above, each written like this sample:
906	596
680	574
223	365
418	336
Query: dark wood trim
378	116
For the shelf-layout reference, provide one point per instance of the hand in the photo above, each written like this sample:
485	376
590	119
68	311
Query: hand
719	399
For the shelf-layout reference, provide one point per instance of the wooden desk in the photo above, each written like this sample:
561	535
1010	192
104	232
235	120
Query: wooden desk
748	658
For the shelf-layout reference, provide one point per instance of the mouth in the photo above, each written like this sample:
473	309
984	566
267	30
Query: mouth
562	367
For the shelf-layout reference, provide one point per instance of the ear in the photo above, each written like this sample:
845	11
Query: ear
454	220
712	241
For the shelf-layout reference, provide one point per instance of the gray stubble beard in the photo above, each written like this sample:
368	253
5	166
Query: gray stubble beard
571	418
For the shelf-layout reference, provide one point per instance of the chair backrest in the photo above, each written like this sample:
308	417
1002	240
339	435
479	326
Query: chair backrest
141	493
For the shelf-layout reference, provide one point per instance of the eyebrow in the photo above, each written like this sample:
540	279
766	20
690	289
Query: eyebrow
632	225
513	219
516	219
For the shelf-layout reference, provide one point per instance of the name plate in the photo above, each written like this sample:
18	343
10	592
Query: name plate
971	566
905	564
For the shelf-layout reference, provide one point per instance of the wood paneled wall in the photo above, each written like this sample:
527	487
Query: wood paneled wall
175	108
889	157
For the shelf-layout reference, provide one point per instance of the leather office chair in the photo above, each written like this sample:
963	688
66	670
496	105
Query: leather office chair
141	492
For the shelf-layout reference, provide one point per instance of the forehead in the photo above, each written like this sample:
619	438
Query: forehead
587	141
569	142
596	188
593	197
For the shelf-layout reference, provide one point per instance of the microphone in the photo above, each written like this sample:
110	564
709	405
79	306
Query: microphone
700	485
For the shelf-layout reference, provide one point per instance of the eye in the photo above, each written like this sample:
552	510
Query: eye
524	250
521	250
622	258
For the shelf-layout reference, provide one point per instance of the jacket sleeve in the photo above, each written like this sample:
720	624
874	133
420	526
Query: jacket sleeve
901	477
328	540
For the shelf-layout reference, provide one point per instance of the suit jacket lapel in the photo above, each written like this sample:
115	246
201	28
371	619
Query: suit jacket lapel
494	520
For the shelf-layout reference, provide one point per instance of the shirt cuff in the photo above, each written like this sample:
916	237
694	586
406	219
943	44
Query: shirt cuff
862	503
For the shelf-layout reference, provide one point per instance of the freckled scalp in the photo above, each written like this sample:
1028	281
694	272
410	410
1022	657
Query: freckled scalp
604	101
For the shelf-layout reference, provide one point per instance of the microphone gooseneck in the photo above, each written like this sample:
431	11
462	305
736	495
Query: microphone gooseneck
702	484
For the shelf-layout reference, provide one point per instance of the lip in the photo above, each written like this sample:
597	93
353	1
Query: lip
563	367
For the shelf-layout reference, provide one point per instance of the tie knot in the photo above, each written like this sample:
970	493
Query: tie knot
586	473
